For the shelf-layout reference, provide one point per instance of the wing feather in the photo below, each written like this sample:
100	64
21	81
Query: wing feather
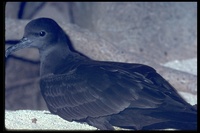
100	90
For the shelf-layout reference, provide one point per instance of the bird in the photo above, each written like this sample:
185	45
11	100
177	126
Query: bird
103	94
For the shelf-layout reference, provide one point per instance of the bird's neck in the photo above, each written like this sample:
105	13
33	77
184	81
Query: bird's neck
57	58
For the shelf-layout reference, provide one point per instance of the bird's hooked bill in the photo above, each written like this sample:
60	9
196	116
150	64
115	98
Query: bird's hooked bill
24	42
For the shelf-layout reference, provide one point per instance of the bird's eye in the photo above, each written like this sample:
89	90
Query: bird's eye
42	33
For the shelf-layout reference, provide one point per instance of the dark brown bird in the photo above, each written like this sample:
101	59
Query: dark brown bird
102	94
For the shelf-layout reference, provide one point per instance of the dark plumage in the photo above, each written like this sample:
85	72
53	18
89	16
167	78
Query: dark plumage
103	94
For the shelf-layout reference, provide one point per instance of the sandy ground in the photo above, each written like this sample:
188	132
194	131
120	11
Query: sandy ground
43	120
40	120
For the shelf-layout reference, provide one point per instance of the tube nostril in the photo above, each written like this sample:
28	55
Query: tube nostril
24	42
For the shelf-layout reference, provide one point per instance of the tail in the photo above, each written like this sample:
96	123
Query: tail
153	119
174	120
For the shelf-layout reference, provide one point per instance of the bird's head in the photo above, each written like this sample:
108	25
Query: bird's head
40	33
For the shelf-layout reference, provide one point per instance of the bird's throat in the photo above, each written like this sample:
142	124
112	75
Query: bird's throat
51	59
57	58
